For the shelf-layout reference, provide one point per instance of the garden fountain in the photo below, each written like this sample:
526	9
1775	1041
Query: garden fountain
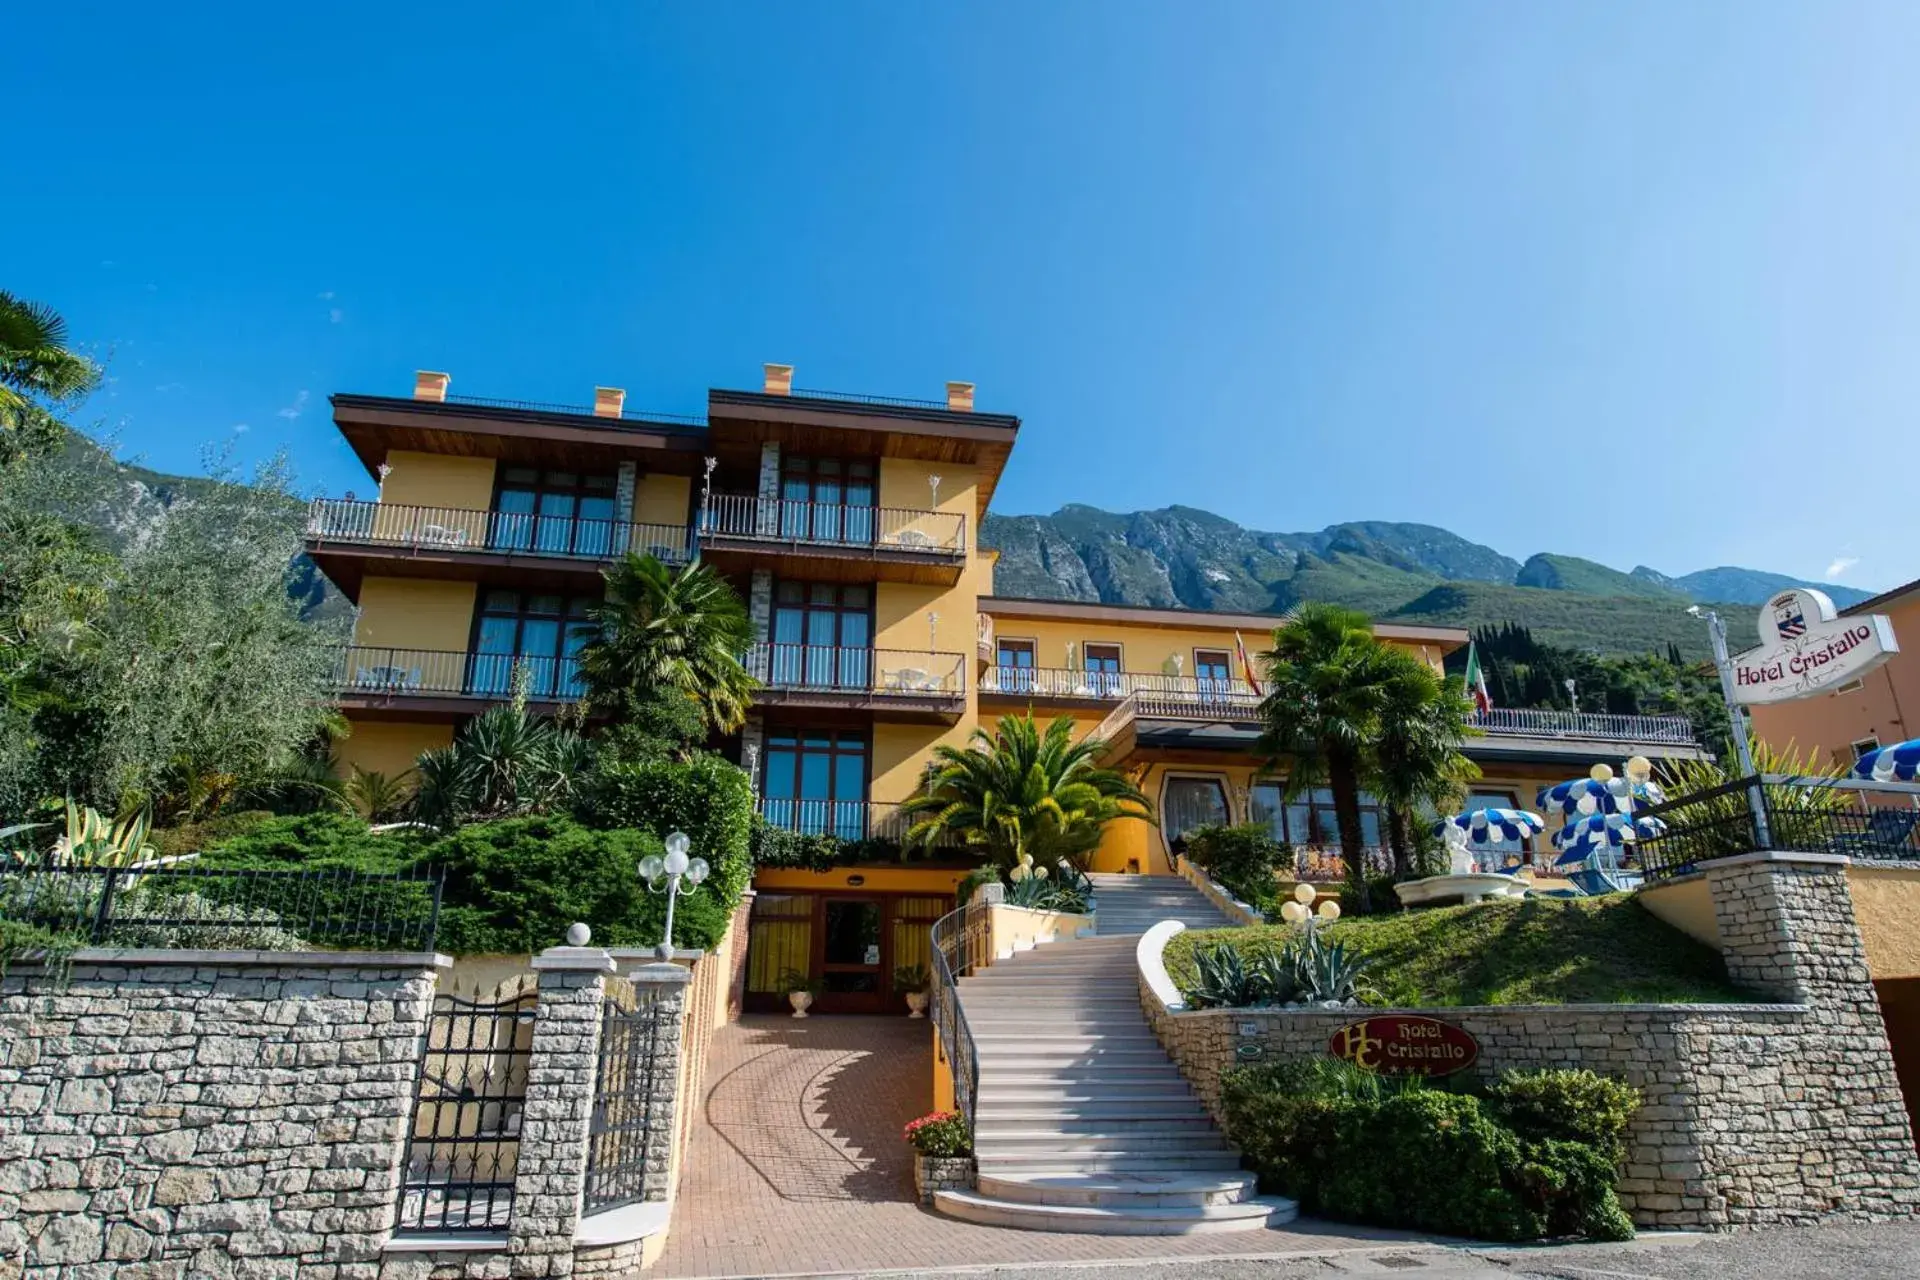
1471	879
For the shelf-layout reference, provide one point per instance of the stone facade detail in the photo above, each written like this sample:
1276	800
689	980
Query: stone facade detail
767	509
1752	1114
760	606
941	1173
206	1113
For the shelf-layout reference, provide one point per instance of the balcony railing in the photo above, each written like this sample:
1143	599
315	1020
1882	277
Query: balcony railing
903	673
1058	682
1534	722
387	524
374	671
834	524
843	819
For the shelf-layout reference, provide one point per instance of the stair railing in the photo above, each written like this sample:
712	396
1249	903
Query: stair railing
962	941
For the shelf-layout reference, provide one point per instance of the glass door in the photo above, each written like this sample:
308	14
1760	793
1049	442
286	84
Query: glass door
1016	666
852	966
822	635
1213	670
1103	669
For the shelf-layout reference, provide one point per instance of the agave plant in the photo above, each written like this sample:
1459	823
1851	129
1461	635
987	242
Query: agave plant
1273	974
1326	974
91	840
503	763
1221	980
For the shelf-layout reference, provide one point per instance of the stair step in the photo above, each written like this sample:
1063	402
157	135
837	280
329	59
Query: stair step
1048	1115
1137	1140
1246	1215
1114	1190
1070	1094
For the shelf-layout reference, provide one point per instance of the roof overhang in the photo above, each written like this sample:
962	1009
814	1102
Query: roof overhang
377	425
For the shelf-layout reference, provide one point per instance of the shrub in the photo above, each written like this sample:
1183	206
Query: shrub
315	841
1381	898
940	1133
1306	970
815	851
193	837
177	918
706	797
1242	859
1573	1105
516	885
1342	1142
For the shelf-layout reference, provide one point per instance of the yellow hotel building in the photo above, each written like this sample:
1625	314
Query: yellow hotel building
850	525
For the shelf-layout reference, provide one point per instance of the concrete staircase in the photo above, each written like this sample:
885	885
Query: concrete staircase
1082	1123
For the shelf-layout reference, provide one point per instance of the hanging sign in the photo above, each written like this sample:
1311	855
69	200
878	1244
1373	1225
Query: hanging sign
1806	648
1398	1044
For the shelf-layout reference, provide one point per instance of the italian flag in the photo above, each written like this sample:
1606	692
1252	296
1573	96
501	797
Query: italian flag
1477	680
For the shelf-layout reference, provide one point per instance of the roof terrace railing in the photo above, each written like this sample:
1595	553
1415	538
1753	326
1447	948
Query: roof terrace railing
512	533
1535	722
576	411
789	522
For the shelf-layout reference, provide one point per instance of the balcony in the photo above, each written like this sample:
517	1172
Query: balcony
903	683
1179	694
430	682
455	542
836	541
845	820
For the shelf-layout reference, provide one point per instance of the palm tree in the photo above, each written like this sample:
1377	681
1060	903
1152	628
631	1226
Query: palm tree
35	366
1019	792
1327	681
666	662
1415	762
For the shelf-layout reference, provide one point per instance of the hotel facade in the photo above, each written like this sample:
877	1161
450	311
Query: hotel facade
850	525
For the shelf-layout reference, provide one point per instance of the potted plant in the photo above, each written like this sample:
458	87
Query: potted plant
800	990
912	981
943	1154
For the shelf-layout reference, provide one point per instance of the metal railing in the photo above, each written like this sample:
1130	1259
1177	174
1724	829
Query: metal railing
1538	722
1062	682
882	672
854	397
380	672
843	819
631	1095
1867	821
834	524
213	908
1324	863
463	1144
512	533
962	942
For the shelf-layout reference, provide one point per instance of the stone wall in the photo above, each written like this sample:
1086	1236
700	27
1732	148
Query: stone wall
206	1113
1759	1113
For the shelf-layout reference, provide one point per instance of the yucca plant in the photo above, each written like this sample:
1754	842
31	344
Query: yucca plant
379	797
1713	826
503	763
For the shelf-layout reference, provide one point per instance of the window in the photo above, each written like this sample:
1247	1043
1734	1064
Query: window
1102	665
822	635
1864	745
1186	803
559	512
1213	671
827	500
543	634
1016	663
1309	822
816	781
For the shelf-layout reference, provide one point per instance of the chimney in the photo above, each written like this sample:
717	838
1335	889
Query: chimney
779	379
608	402
430	386
960	397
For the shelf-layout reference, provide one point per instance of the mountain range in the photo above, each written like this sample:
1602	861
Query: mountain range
1182	557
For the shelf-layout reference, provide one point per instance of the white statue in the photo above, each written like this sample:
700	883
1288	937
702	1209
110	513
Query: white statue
1459	859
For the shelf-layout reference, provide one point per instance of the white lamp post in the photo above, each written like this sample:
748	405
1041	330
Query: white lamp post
670	871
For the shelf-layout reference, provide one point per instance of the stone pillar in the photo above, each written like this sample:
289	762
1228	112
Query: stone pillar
623	492
760	604
767	509
551	1176
1787	928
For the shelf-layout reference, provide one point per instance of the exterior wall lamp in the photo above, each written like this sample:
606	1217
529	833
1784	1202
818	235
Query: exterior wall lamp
665	875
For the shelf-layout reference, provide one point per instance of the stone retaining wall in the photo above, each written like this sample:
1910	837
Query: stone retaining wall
1756	1113
206	1113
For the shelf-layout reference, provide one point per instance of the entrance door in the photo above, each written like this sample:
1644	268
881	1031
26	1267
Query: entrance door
853	953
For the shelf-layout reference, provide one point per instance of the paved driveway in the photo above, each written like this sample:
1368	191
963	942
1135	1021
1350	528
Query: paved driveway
797	1167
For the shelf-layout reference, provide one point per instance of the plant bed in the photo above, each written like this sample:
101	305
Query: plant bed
942	1153
1607	950
941	1173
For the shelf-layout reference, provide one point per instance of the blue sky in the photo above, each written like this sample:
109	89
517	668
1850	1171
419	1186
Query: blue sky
1633	282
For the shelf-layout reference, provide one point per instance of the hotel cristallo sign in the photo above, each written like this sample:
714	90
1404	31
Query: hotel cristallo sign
1805	648
1400	1044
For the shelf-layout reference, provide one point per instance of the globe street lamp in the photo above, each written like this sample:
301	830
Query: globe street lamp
670	871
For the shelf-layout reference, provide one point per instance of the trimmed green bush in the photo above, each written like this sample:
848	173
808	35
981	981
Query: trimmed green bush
193	837
706	797
779	847
1241	859
1353	1146
516	885
314	841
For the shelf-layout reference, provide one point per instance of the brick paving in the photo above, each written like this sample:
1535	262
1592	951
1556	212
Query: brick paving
797	1168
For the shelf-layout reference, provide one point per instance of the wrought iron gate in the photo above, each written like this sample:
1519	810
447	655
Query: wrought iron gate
632	1097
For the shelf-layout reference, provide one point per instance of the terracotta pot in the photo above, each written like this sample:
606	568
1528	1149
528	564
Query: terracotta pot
916	1004
799	1000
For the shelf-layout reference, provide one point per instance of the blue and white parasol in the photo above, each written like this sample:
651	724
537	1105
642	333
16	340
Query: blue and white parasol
1583	837
1581	797
1491	826
1897	763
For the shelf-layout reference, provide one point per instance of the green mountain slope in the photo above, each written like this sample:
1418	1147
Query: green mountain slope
1571	573
1572	619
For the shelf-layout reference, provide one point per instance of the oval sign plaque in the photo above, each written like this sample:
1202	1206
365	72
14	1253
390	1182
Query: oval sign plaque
1405	1044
